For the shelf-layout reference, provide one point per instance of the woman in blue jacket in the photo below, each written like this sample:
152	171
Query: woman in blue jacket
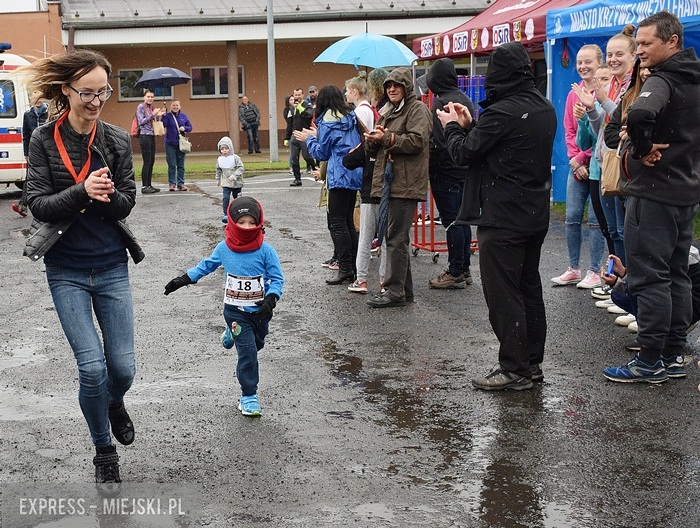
335	134
176	122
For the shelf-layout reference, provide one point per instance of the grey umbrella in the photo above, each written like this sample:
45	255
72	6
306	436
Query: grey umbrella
384	201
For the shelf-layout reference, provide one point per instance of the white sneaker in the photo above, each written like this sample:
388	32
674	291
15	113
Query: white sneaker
632	327
607	303
570	276
625	320
615	309
591	280
601	292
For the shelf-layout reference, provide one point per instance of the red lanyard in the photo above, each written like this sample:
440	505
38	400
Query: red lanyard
64	155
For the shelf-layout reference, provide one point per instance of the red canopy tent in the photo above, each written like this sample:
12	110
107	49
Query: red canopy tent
503	21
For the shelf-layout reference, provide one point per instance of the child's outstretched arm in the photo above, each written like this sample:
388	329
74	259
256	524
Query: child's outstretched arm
177	283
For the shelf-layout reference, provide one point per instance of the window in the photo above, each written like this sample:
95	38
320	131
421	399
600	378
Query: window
8	103
212	81
127	81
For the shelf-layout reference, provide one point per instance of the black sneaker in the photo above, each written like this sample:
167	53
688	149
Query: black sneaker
148	189
536	374
107	477
122	426
633	346
295	183
499	379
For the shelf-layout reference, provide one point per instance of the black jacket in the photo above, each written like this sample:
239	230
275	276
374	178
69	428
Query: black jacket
442	81
302	116
667	111
32	120
509	150
55	199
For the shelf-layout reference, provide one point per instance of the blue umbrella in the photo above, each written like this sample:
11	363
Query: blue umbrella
368	49
384	201
162	78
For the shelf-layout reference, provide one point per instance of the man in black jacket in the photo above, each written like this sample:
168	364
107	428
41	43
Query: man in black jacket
302	116
506	195
663	193
447	179
33	118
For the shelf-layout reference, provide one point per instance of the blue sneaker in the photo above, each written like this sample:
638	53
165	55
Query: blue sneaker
637	370
675	366
249	406
227	339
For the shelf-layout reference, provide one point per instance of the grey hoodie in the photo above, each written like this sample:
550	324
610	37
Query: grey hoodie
229	169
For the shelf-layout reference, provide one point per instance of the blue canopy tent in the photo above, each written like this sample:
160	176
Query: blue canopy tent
594	23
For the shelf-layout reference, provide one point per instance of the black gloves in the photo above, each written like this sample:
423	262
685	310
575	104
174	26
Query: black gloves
266	306
177	282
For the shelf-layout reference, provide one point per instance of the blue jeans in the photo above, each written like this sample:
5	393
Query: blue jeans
226	199
448	199
176	164
248	342
106	366
253	139
614	210
576	196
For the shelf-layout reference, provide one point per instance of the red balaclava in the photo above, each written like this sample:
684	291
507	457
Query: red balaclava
240	239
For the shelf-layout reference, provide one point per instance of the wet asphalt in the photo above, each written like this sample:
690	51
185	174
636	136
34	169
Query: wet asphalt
369	417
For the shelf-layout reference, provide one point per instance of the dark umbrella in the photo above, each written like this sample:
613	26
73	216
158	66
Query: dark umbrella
384	201
162	78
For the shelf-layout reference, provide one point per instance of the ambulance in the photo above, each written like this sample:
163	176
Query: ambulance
13	103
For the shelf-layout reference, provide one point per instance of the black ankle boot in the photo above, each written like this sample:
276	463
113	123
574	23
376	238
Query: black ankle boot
341	277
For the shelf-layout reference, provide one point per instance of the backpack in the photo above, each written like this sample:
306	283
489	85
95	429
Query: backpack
135	128
374	111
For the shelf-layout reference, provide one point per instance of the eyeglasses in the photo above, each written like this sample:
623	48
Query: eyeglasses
89	97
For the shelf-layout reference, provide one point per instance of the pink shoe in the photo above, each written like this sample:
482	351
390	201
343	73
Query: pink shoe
359	286
571	276
592	280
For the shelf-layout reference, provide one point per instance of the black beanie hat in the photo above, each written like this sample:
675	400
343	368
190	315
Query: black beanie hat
245	205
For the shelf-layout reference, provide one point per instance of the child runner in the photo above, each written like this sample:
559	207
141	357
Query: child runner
229	173
252	287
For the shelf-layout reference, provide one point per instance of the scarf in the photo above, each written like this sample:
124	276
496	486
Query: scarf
240	239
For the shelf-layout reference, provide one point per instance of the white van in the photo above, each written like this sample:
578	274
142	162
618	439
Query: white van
13	103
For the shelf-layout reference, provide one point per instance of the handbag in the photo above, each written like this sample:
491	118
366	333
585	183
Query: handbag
158	128
610	174
135	128
184	144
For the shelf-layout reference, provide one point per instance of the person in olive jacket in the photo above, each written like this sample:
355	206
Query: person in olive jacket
401	136
506	196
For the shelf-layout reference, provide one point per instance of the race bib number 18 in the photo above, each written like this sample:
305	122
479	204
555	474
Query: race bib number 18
243	291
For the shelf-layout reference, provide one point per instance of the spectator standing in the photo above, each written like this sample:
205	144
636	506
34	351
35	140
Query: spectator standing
447	179
80	190
301	118
229	173
662	196
33	118
311	96
176	124
507	193
146	114
367	115
401	138
249	116
578	187
335	134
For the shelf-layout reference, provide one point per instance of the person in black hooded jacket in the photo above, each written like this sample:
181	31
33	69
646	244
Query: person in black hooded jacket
447	179
506	195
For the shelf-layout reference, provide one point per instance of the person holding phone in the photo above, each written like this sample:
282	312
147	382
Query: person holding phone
80	189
